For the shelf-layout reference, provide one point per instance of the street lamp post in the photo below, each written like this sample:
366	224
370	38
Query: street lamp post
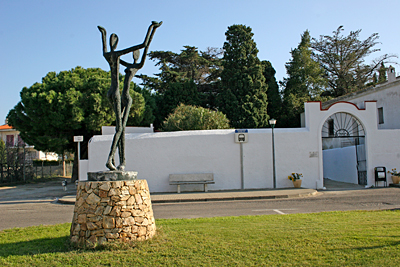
272	122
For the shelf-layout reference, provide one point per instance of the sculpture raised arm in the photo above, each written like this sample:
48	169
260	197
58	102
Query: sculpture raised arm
103	38
146	43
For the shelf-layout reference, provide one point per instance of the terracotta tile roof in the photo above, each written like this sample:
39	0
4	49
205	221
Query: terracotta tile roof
6	127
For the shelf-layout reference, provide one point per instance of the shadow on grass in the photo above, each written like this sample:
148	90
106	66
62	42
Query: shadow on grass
61	245
366	248
37	246
391	244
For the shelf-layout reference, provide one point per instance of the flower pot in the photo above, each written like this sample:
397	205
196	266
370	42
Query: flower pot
297	183
395	179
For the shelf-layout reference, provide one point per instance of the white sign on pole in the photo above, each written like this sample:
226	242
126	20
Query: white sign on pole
241	136
78	138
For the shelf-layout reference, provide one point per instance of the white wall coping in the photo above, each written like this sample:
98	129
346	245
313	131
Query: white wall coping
106	137
106	130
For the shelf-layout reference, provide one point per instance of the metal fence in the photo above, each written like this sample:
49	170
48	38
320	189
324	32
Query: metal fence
27	172
48	171
16	165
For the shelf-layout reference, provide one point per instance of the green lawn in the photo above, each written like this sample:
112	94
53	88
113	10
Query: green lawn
360	238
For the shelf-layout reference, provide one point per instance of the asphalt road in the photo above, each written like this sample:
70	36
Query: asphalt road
24	213
22	208
367	199
34	204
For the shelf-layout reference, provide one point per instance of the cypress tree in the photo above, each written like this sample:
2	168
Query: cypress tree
274	97
305	82
382	73
243	96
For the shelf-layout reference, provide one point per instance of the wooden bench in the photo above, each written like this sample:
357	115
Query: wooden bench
191	178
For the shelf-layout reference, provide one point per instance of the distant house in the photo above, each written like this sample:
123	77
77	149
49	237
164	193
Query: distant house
11	138
386	95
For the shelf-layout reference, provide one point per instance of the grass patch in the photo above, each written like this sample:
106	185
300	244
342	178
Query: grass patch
356	238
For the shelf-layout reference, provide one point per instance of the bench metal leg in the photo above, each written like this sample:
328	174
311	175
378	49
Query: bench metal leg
179	188
205	188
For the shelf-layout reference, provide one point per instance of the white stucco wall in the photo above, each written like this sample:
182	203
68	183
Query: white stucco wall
384	150
156	155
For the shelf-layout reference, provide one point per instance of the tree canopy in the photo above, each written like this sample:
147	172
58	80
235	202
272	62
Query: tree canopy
274	97
178	93
190	77
201	67
305	82
343	57
64	105
243	95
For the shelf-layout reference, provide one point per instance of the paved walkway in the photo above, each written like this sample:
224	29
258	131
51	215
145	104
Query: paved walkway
331	185
220	195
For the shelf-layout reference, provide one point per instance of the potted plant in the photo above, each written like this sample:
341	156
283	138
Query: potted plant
296	178
395	176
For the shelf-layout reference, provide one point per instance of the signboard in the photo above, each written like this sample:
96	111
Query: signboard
241	136
78	138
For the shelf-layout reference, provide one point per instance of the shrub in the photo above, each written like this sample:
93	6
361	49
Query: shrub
186	117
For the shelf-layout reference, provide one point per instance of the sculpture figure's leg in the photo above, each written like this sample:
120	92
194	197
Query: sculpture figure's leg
115	99
126	102
121	151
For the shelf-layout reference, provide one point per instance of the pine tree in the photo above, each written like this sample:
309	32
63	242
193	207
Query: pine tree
64	105
200	67
190	73
342	58
243	96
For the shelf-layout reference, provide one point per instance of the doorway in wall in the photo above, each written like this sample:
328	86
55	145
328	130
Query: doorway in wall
343	149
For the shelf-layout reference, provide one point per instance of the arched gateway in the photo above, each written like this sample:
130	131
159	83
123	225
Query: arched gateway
343	144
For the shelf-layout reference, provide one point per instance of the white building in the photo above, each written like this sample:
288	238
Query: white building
387	97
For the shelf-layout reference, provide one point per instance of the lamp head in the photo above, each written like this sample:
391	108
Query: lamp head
272	122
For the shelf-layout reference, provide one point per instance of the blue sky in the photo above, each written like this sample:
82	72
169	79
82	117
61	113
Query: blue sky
37	37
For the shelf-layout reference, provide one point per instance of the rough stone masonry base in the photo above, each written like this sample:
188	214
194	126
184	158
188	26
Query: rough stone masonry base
111	210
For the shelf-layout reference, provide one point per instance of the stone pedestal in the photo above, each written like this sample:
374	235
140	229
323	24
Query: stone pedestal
112	210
